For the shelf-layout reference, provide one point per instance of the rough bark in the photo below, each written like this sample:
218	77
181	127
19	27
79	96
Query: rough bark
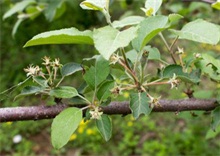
48	112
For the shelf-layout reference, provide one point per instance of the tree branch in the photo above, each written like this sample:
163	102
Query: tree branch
48	112
204	1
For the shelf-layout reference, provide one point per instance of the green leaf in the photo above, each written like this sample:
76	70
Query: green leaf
63	36
154	53
216	5
154	4
15	28
104	91
63	126
212	134
34	11
95	75
104	126
131	20
18	7
108	39
139	104
149	28
41	81
63	92
30	90
174	18
94	4
193	77
55	9
209	65
70	68
195	31
215	118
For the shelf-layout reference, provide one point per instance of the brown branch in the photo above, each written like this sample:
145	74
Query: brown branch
48	112
204	1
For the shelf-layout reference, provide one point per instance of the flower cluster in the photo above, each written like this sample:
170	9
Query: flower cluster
51	67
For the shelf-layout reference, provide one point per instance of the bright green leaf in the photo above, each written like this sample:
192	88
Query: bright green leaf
108	39
216	5
104	126
149	28
63	36
104	91
64	125
139	104
95	75
197	31
70	68
94	4
215	118
20	6
63	92
131	20
154	4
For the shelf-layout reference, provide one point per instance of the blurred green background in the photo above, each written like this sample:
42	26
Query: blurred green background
160	134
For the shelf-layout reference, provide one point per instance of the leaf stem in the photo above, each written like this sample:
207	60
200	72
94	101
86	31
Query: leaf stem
60	81
87	101
169	48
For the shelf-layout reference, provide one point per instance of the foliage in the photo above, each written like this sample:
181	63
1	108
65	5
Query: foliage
115	43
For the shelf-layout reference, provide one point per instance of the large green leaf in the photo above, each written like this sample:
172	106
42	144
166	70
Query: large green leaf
131	20
215	118
104	91
139	104
193	77
95	75
199	31
70	68
20	6
63	36
104	126
108	39
149	28
63	126
63	92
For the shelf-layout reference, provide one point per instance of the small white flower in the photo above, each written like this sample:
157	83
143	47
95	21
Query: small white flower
114	59
197	55
56	63
33	71
155	101
17	138
173	81
46	61
95	114
180	50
